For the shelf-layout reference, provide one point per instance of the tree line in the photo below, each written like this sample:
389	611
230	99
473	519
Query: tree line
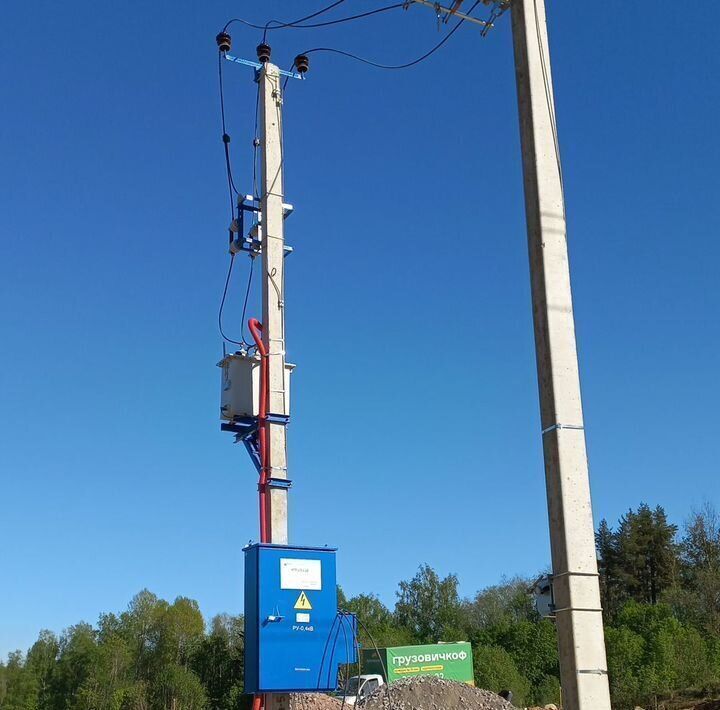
660	589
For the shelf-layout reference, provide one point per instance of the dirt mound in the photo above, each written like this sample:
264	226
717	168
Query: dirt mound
430	693
314	701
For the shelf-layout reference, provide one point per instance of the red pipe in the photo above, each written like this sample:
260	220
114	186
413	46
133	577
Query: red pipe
256	330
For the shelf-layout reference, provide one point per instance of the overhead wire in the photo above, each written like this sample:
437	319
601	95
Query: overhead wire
406	65
222	304
282	25
341	20
225	136
245	301
256	142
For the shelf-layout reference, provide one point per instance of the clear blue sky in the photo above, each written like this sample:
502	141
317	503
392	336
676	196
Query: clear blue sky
415	434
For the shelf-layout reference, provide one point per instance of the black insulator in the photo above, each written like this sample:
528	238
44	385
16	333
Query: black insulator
302	63
226	138
224	42
263	53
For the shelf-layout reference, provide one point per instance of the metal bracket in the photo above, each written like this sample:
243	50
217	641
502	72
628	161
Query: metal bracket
245	242
450	12
258	66
251	444
246	429
240	426
281	483
278	418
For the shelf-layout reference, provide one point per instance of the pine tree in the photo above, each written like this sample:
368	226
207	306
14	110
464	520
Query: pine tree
612	593
647	553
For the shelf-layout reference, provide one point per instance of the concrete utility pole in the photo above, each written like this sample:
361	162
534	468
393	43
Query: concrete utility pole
273	304
273	288
583	664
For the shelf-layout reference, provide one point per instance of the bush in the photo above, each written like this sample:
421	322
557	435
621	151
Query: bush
547	691
495	670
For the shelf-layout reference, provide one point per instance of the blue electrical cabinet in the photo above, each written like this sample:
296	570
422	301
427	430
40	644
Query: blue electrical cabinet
294	636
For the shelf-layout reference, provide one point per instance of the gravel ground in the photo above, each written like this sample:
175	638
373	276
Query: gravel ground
314	701
430	693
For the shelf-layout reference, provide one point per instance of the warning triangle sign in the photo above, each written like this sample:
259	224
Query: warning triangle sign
303	603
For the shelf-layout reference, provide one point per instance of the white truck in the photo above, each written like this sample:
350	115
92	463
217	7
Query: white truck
360	687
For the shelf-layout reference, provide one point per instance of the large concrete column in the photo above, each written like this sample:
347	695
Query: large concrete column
583	665
273	303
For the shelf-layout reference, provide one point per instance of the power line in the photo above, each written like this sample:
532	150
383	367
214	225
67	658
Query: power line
256	142
222	305
349	18
242	341
281	25
407	65
226	138
245	302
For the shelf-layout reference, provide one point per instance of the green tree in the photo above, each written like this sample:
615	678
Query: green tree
651	654
219	661
180	631
41	662
176	688
494	669
548	691
141	626
612	591
133	697
647	554
77	666
377	622
625	653
499	605
699	595
429	607
18	685
533	647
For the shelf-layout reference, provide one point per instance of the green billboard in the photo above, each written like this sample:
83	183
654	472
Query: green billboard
452	661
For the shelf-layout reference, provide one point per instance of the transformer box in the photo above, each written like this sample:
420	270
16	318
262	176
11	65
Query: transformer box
240	386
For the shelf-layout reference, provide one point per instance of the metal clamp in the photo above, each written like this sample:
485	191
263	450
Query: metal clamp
574	574
576	608
281	483
555	427
593	671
